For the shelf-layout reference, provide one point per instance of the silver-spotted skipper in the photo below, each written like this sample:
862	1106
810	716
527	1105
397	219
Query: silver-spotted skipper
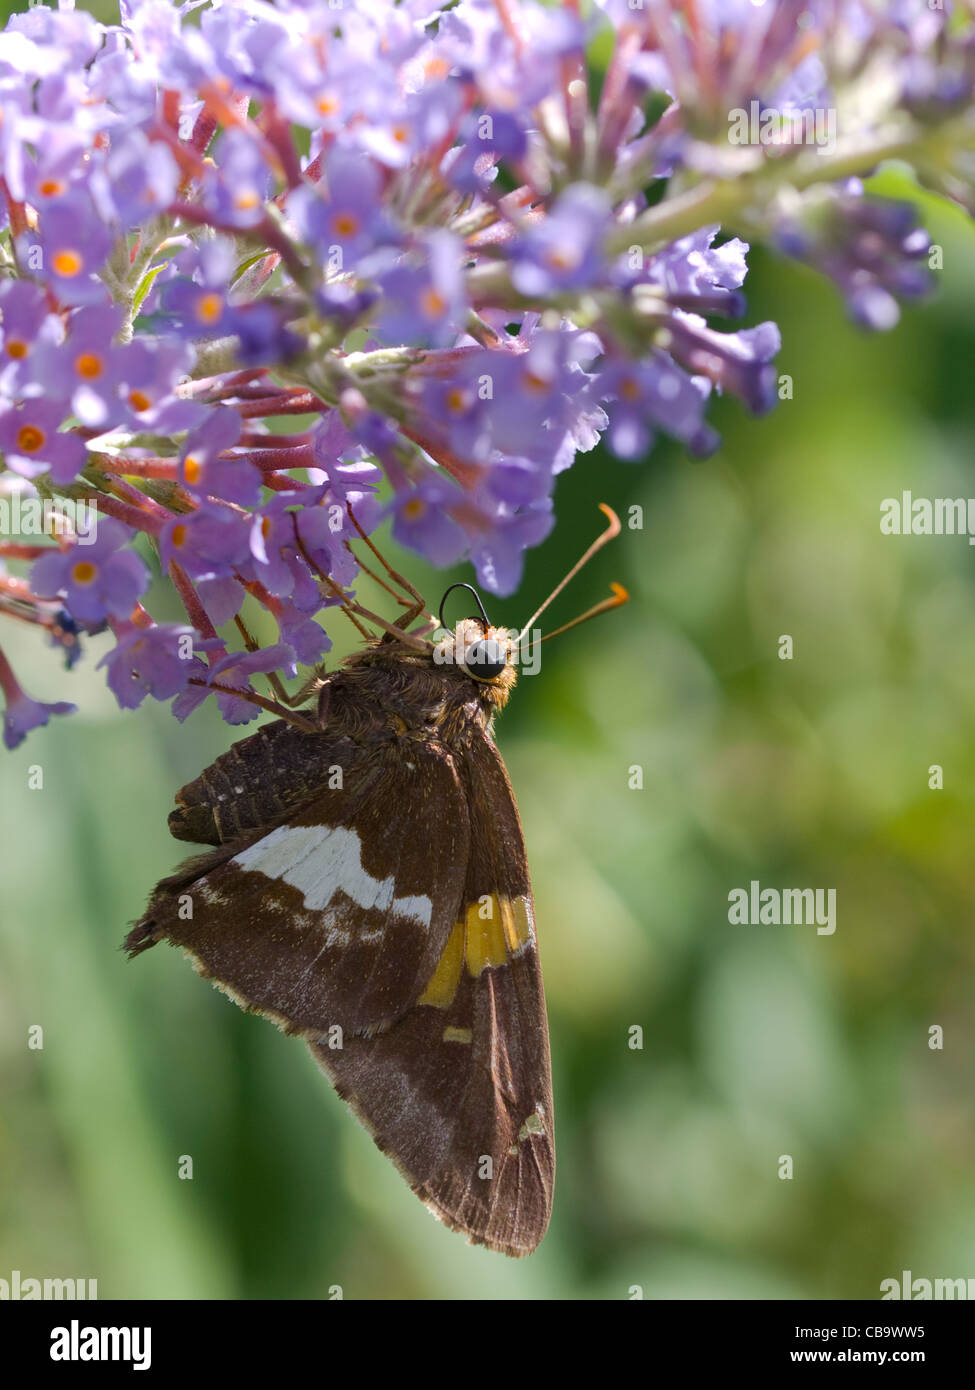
369	892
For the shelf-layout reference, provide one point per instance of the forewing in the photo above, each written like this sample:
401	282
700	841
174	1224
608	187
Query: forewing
458	1092
258	781
339	914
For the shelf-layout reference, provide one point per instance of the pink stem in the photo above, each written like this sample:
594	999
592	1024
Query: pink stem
141	468
508	24
277	483
8	681
13	550
275	460
197	614
225	383
296	403
139	517
279	441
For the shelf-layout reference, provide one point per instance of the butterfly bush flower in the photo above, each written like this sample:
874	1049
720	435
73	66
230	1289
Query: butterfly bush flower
95	580
149	659
22	713
271	276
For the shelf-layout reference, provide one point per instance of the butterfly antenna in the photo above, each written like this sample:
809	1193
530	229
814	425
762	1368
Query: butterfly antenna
616	600
619	595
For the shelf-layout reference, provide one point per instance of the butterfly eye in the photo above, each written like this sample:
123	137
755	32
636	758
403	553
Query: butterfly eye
485	659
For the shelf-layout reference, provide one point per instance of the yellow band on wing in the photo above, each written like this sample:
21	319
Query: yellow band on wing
445	979
491	930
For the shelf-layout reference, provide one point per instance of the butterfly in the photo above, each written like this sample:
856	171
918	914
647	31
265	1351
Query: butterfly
368	890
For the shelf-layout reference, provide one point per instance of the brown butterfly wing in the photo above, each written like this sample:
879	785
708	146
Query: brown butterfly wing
338	914
259	781
458	1092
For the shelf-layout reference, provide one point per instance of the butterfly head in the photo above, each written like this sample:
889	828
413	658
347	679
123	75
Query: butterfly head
478	650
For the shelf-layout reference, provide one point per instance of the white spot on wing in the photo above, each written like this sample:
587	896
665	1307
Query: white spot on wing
535	1124
320	861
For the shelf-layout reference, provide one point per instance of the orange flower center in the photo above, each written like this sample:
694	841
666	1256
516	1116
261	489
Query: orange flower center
535	383
433	304
84	572
139	401
345	223
192	469
30	439
414	508
88	365
179	535
67	263
208	308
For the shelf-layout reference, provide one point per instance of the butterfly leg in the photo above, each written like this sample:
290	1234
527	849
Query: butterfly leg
355	610
417	602
306	725
300	697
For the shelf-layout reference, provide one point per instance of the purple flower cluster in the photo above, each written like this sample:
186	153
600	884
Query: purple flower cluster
410	233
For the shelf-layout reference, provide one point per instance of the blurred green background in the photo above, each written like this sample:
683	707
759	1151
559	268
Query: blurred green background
758	1041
